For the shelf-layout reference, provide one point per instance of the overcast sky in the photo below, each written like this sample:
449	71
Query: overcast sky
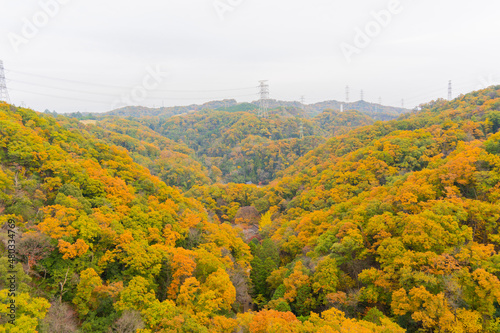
76	55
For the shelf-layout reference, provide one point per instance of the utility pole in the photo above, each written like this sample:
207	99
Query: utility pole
264	98
4	93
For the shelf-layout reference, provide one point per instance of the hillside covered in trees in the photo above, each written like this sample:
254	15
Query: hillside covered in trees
233	146
350	224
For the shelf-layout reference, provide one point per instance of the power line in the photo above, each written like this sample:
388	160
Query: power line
69	81
59	97
58	88
114	96
108	95
127	87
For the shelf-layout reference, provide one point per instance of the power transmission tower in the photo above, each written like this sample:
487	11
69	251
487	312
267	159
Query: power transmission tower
403	103
449	90
347	94
301	128
362	95
264	97
4	93
303	105
380	100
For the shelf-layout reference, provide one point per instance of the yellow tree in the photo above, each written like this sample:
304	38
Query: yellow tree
29	310
138	295
86	297
432	310
480	290
183	266
206	300
325	278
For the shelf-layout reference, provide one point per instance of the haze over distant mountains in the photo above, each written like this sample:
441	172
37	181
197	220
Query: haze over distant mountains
376	111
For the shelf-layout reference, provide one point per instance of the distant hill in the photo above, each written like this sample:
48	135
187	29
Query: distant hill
243	147
141	111
376	111
283	108
239	146
239	107
336	123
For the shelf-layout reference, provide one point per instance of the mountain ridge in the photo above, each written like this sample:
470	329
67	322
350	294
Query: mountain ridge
377	111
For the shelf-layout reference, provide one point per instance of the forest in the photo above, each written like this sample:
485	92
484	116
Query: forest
222	221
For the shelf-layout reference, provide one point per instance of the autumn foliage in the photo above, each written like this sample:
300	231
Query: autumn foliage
359	226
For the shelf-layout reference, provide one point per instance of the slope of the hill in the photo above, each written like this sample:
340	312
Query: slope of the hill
240	146
247	107
98	244
226	146
375	111
173	162
97	234
336	123
401	216
165	112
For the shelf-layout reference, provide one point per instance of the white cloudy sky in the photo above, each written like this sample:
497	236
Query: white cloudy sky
93	55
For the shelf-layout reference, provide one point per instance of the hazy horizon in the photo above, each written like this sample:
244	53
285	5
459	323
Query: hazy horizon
69	56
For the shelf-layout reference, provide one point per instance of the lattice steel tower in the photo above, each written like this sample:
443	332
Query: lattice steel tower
347	94
4	93
449	90
301	128
264	98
